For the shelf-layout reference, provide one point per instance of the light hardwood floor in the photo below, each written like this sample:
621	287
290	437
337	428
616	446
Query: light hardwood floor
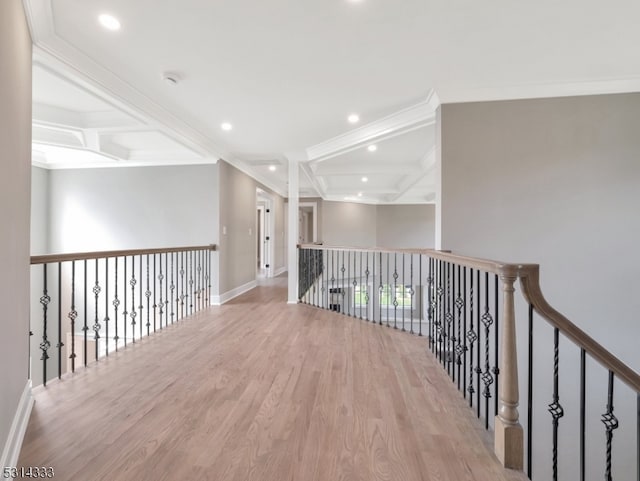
259	390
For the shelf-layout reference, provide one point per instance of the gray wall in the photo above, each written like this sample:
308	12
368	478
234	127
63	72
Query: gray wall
348	224
362	225
556	182
133	208
237	228
39	211
410	226
15	178
238	217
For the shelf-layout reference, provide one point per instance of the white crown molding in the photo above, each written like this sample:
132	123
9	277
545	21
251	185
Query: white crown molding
57	55
242	167
426	164
338	170
39	15
117	164
568	88
316	183
398	123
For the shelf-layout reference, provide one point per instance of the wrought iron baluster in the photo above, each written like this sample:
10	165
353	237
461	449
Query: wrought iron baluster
201	255
487	378
161	300
133	314
395	291
459	303
448	319
85	328
147	294
155	288
388	289
478	362
555	408
140	292
124	309
360	277
347	285
96	325
472	337
496	368
583	361
106	307
430	303
465	348
380	293
411	291
530	396
190	257
73	314
45	300
421	316
440	311
366	296
182	282
116	304
342	284
171	299
60	343
610	422
207	278
404	290
355	284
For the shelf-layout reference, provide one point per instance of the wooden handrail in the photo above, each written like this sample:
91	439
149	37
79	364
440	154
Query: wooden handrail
530	283
79	256
529	275
486	265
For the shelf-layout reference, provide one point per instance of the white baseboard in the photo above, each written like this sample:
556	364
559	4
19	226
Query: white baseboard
279	271
12	447
227	296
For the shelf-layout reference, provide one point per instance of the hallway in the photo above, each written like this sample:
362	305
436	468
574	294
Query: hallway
259	390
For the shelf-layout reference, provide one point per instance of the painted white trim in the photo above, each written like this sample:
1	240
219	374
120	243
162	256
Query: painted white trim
569	88
403	121
13	444
280	270
233	293
293	302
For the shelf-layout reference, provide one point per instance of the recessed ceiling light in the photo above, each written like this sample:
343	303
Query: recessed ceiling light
359	194
109	22
372	148
272	168
226	126
365	179
353	118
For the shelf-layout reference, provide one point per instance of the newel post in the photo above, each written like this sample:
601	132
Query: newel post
508	431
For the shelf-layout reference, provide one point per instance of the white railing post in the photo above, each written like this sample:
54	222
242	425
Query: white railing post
508	431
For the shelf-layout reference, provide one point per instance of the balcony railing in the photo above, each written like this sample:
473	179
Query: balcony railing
90	304
466	308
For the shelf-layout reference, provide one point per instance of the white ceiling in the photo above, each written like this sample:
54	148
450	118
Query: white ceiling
287	74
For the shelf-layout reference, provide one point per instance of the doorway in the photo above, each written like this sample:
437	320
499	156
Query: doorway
264	234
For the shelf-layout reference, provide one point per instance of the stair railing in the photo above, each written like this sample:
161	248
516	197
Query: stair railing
92	303
467	309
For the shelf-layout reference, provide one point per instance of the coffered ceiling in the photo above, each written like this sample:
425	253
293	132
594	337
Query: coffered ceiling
286	75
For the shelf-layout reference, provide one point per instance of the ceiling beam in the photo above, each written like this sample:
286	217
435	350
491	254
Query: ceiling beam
427	163
398	123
